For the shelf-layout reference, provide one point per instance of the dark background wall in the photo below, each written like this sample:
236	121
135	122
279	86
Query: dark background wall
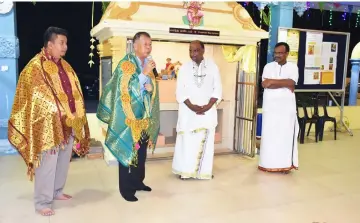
75	17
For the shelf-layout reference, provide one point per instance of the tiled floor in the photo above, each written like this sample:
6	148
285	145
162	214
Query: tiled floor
326	188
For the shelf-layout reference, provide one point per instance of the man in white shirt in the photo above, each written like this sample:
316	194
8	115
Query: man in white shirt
198	91
280	128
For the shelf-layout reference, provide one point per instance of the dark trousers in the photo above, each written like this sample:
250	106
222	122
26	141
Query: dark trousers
131	178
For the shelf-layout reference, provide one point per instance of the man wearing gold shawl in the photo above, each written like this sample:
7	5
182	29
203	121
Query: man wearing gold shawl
48	120
129	105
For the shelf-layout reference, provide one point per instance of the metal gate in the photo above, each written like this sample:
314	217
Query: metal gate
106	71
246	110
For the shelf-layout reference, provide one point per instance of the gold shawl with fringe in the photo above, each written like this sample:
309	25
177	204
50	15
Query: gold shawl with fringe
41	119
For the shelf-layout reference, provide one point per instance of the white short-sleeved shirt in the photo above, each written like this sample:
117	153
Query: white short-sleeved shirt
282	98
275	71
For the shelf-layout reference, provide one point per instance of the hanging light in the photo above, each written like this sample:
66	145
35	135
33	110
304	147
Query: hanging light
344	14
331	16
357	18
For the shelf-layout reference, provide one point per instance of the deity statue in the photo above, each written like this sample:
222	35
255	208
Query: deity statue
170	71
168	63
194	13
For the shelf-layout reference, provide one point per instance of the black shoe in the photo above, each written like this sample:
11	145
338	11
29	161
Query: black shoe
145	188
130	198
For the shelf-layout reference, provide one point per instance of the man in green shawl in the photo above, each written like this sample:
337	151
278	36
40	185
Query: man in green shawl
129	105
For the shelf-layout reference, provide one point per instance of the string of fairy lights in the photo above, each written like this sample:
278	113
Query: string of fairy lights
347	11
346	15
357	18
331	17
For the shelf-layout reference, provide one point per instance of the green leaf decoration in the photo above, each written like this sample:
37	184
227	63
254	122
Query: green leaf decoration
104	6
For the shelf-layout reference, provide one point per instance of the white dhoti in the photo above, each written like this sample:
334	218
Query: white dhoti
194	154
279	148
280	127
194	149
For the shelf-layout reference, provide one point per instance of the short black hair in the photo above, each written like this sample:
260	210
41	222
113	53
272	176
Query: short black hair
51	33
202	45
139	34
287	48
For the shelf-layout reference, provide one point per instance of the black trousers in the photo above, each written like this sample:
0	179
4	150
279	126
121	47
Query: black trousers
131	178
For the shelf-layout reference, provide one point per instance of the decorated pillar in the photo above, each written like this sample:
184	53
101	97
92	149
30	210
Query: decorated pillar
100	50
118	49
9	53
281	16
354	81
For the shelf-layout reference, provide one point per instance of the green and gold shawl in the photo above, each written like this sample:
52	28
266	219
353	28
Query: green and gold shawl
128	112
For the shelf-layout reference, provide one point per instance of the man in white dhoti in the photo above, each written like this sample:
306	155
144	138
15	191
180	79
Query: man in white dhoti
278	149
198	91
